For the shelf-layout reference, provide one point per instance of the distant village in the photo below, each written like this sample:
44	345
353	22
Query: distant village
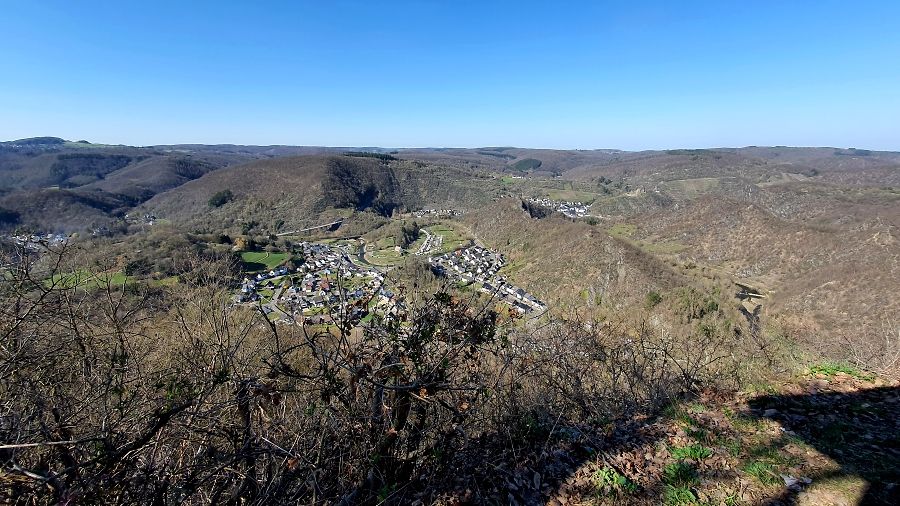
440	213
330	278
570	209
37	242
314	285
140	219
477	264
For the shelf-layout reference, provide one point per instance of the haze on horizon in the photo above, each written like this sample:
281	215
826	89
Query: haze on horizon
586	75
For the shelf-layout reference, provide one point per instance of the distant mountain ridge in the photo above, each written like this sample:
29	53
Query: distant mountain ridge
101	182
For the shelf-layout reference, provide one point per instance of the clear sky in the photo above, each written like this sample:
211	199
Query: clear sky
630	75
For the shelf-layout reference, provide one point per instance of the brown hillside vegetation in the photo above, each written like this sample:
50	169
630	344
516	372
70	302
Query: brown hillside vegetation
832	276
168	393
728	339
567	261
755	165
59	211
290	193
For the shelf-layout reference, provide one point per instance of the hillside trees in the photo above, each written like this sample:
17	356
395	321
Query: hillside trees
221	198
403	233
527	164
133	394
125	394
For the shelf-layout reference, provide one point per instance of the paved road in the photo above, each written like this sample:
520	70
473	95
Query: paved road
274	306
361	254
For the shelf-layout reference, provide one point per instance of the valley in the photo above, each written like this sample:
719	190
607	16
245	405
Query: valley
664	303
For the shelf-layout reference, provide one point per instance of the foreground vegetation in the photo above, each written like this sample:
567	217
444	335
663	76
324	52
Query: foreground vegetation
122	393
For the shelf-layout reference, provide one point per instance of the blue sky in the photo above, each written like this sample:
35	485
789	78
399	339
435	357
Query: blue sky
629	75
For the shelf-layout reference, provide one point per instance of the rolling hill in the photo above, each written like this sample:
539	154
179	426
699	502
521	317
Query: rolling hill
290	193
827	258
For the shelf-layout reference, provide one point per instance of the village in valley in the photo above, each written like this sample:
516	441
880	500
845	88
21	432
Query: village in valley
476	264
330	278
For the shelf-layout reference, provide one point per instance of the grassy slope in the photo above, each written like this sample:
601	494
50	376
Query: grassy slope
558	258
780	445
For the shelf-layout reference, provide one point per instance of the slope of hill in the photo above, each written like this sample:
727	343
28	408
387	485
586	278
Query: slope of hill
829	264
290	193
58	211
504	159
96	183
570	261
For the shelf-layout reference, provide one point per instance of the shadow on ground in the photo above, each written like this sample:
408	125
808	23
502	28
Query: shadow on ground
817	441
859	429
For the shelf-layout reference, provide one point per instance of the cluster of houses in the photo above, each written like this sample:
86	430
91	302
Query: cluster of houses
138	219
570	209
480	265
329	278
37	242
440	213
315	283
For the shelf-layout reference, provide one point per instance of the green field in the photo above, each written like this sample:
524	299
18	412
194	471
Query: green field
86	279
690	188
255	261
622	230
384	257
570	195
452	240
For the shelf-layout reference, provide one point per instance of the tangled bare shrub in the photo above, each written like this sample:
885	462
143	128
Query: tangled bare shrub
114	394
876	350
591	370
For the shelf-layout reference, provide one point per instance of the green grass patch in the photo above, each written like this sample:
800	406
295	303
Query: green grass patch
508	180
734	447
678	496
570	195
262	260
169	281
384	258
695	452
680	474
831	370
679	415
255	261
622	230
85	279
762	471
608	481
747	423
708	437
